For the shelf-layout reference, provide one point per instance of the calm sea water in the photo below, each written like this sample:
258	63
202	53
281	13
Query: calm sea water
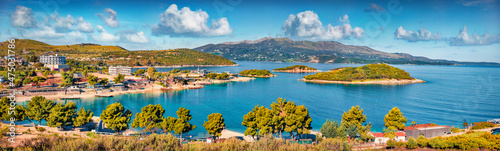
450	95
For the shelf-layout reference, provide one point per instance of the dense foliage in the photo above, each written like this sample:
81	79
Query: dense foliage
332	129
367	72
300	67
256	72
481	125
116	55
215	124
354	123
395	119
116	117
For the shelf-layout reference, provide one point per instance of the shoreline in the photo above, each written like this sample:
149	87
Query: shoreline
181	66
379	82
258	76
297	71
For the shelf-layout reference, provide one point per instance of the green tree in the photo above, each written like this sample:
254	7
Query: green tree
422	141
215	124
168	124
119	78
257	121
222	76
85	73
390	132
297	119
38	79
413	123
67	78
151	72
4	108
412	143
92	80
83	117
116	117
278	116
352	131
149	118
332	129
39	109
391	143
46	73
356	117
212	75
61	115
27	80
104	81
395	118
139	72
182	124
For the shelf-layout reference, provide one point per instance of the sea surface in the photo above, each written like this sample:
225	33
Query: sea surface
451	95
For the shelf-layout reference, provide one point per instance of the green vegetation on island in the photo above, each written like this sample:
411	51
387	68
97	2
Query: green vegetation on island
363	73
81	55
296	69
256	73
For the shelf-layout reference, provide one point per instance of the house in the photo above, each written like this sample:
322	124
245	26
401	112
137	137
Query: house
118	87
428	130
381	139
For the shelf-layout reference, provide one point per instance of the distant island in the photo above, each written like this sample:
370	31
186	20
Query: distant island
88	54
296	69
368	74
257	73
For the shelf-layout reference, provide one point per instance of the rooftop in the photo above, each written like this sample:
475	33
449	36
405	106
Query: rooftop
427	126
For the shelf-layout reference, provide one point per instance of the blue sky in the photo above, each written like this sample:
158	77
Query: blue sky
448	29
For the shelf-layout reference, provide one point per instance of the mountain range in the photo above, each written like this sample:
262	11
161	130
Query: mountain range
287	50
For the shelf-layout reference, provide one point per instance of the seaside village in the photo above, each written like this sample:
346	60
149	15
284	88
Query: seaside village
53	78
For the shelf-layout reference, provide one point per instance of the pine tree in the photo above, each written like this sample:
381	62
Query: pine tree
149	118
39	109
116	117
215	124
182	124
61	115
83	117
412	143
395	118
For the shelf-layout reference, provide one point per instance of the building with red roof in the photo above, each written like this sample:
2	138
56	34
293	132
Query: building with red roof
428	130
381	139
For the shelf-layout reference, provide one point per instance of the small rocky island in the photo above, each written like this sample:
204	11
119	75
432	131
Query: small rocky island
296	69
257	73
369	74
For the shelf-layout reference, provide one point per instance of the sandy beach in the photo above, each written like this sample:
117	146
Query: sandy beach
381	82
297	71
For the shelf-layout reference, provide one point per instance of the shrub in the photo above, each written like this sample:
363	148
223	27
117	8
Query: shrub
391	143
422	142
41	129
412	143
334	144
455	129
482	125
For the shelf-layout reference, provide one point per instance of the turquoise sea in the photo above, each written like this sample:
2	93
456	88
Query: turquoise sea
450	95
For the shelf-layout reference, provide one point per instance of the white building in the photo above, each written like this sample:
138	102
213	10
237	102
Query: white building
54	62
115	70
381	139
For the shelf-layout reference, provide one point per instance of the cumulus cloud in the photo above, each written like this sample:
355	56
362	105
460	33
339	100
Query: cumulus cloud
22	17
413	36
188	23
111	20
464	38
63	23
84	26
133	36
104	36
307	25
374	8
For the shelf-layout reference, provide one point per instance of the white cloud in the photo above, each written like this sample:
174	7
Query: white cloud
63	23
104	36
464	38
135	37
374	8
42	32
188	23
111	21
413	36
307	25
84	26
22	17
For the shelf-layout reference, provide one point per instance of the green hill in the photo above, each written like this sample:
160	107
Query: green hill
116	55
256	73
367	72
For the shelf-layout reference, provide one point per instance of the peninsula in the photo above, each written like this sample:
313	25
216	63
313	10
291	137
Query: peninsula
296	69
369	74
257	73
